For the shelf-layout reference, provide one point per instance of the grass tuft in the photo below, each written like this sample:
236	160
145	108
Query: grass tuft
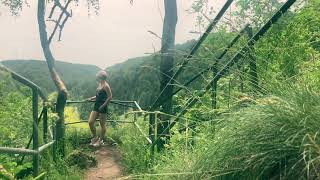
276	138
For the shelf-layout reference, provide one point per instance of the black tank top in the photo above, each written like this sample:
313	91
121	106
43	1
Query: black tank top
101	96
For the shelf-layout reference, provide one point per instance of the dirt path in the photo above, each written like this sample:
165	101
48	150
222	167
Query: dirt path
108	164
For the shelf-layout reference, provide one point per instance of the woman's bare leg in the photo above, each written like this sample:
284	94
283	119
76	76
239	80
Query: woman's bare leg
102	118
92	120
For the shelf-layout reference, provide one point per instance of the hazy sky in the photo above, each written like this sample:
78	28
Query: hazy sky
119	32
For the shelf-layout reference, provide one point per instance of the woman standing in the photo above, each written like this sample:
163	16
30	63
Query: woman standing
102	98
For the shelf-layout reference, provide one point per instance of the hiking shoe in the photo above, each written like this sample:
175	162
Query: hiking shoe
97	143
93	141
101	142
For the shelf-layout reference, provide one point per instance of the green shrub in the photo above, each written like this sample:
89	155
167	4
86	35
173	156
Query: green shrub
81	159
4	174
61	170
134	147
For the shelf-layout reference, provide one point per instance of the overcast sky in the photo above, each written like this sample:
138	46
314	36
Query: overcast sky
119	32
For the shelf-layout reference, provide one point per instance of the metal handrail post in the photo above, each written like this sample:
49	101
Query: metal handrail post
45	124
35	133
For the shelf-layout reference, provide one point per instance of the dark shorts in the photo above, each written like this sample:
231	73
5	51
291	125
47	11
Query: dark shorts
97	106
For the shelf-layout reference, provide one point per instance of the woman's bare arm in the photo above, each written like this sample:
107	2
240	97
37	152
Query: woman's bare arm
93	98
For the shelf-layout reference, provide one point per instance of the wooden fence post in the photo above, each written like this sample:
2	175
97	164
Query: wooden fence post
152	128
54	146
156	127
60	126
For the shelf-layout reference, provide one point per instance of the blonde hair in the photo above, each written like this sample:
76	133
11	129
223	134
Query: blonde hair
102	75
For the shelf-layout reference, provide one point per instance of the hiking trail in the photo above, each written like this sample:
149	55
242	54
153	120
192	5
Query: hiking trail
108	167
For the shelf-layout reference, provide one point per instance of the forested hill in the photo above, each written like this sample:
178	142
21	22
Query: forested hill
134	79
138	78
37	71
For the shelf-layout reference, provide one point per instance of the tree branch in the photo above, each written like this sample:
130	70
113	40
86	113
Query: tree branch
62	26
64	11
52	11
46	48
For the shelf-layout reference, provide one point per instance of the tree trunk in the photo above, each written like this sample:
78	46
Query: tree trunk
166	67
62	95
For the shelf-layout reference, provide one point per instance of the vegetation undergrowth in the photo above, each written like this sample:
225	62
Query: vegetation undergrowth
277	138
267	129
272	134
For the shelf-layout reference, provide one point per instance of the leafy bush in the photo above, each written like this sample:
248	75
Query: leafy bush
16	129
4	174
81	159
15	116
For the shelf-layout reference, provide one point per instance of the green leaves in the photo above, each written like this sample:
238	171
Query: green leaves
256	11
15	118
15	6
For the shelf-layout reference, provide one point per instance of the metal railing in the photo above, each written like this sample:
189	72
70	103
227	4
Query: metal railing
36	148
132	104
153	116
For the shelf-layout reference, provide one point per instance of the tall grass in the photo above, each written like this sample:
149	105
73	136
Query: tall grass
275	139
133	146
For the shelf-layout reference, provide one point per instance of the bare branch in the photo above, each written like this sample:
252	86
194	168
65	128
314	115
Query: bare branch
62	26
205	16
155	34
64	11
52	10
52	20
